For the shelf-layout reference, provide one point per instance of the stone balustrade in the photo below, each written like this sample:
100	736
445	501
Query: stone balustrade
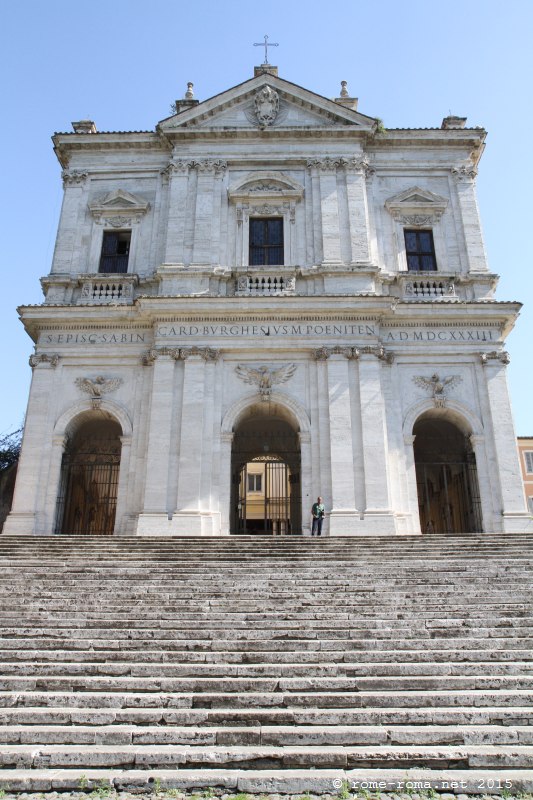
265	284
108	289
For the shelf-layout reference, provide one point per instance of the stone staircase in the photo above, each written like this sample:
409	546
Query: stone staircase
260	664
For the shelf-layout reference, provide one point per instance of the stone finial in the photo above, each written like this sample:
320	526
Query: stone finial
345	99
451	122
84	126
189	94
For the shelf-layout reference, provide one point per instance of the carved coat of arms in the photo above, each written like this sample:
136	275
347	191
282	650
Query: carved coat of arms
266	105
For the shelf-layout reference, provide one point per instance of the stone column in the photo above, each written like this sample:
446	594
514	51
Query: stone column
48	520
197	407
226	441
26	516
307	498
377	513
122	488
359	223
411	485
178	175
340	431
464	177
69	225
154	518
510	486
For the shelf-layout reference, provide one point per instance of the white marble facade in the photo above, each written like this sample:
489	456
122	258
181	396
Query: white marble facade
342	341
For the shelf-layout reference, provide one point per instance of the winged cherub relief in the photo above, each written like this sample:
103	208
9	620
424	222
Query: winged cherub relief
265	378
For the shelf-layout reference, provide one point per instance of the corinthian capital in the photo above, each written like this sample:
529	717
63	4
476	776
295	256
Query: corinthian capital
465	173
73	177
44	358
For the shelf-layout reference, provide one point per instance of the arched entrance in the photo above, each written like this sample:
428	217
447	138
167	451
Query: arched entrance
446	476
87	497
265	469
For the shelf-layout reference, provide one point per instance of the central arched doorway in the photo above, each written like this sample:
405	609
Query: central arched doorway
446	476
265	469
88	490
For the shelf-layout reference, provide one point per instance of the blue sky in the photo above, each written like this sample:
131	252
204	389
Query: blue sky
122	63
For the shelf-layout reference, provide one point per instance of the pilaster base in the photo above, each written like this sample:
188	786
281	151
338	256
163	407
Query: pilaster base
181	523
355	523
20	525
517	523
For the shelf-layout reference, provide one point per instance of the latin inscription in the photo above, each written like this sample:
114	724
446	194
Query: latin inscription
313	330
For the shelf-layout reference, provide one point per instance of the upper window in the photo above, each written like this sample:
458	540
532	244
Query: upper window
528	455
255	482
115	251
266	241
420	251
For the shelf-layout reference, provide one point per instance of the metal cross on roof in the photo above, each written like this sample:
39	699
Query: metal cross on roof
266	44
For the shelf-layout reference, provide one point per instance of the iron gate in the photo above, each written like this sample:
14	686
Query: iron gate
448	496
268	511
87	499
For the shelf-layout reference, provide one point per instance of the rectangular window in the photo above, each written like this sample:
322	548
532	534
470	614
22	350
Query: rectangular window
528	456
254	483
530	504
420	251
266	241
115	251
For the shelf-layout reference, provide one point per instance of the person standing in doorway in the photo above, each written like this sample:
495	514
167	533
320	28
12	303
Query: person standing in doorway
317	512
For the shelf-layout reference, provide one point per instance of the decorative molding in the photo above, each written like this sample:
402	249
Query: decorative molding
118	222
265	378
417	220
73	177
181	166
495	355
269	188
464	173
349	163
215	166
44	358
207	353
437	386
323	353
97	387
179	353
259	186
154	353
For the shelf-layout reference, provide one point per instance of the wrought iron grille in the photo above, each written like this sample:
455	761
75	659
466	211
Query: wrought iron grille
87	499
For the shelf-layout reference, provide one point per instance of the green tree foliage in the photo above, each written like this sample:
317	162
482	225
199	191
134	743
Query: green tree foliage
10	448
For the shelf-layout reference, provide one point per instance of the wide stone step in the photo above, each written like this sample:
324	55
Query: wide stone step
265	717
263	781
95	654
484	669
262	684
275	735
281	699
265	757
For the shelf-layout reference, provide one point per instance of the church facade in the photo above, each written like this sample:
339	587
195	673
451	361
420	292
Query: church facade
266	299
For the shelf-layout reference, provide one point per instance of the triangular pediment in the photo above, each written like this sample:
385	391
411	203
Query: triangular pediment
266	102
119	202
416	201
